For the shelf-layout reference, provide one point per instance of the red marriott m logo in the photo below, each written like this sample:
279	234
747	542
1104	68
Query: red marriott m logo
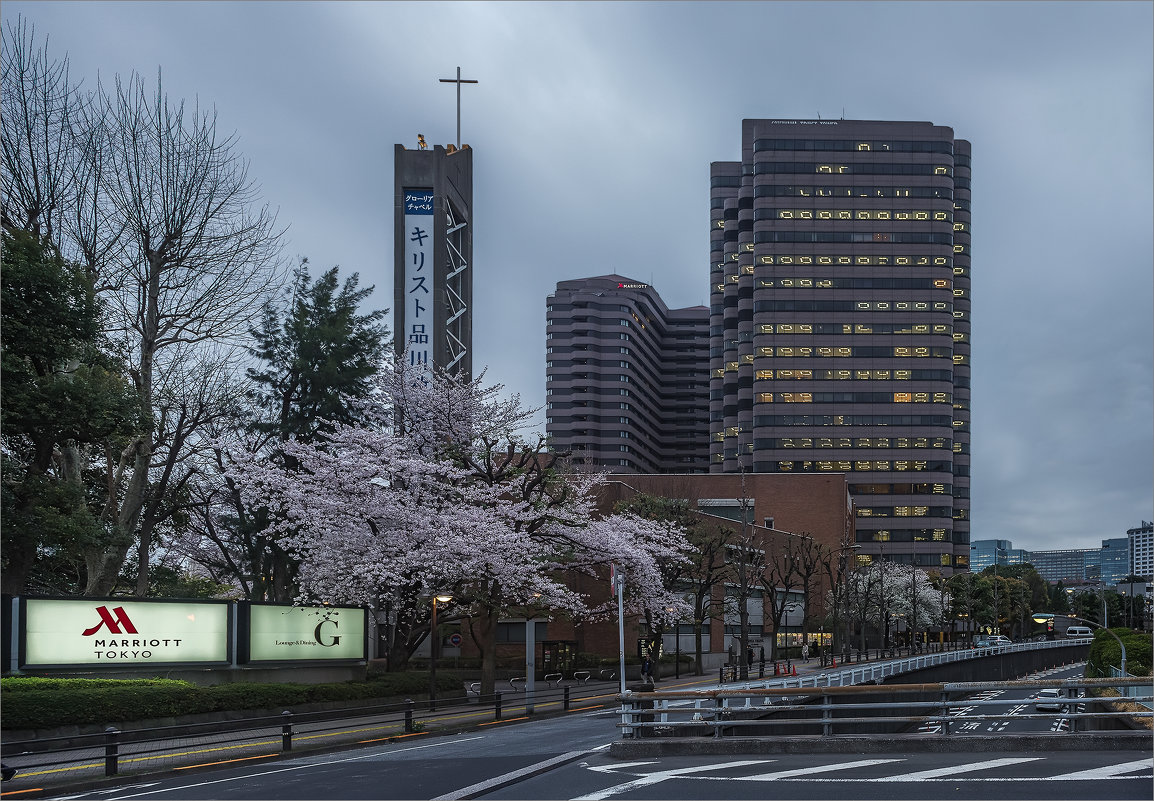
115	624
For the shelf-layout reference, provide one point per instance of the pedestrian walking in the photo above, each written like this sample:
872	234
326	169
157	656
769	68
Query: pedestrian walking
805	651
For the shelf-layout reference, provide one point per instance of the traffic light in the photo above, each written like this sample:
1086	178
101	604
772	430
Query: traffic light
1049	627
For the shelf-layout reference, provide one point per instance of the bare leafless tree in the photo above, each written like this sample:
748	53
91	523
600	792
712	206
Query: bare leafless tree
159	207
41	110
197	264
781	576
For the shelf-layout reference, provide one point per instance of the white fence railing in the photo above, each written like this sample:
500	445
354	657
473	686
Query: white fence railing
895	667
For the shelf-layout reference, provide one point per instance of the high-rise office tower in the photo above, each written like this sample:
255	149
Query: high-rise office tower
626	378
840	322
433	256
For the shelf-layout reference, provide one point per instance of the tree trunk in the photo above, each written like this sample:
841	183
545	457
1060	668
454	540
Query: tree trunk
21	555
484	628
698	668
104	564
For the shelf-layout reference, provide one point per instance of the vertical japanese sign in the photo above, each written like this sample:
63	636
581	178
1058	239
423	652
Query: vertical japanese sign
420	317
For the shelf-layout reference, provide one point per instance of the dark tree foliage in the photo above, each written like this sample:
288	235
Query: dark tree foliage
318	357
62	397
318	353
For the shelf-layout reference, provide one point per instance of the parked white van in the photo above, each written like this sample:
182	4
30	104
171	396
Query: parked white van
1079	631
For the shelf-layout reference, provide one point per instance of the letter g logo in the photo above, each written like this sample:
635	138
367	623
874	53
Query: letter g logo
336	640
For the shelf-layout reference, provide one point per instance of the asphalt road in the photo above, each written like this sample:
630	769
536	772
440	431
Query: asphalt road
417	768
1065	775
1008	702
566	758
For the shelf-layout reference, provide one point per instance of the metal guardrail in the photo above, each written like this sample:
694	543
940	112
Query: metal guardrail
1130	693
879	670
838	711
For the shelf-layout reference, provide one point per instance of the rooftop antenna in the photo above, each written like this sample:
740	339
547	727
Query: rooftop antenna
843	112
819	115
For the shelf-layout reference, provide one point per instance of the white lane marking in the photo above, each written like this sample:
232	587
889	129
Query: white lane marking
1106	772
955	769
104	792
511	776
305	766
785	774
660	776
620	767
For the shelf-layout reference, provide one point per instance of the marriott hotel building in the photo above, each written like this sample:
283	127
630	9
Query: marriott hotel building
839	322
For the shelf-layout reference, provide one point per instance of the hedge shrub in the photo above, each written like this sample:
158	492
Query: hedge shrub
1105	651
36	702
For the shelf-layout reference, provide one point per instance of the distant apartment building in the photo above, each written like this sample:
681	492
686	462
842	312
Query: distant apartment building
627	378
1107	565
839	322
1141	546
1070	566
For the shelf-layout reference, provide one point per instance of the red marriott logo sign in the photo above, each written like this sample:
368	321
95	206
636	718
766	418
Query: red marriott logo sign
61	632
117	621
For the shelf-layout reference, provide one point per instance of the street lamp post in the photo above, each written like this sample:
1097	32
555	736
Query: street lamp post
1042	618
434	642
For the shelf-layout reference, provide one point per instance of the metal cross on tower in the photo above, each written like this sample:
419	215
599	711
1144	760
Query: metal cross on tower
458	80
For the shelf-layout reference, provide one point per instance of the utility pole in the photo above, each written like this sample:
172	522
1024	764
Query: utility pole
743	578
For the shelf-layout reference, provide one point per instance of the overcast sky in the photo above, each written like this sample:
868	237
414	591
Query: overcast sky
593	127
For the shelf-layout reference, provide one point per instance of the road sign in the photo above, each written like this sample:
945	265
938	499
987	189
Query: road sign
454	639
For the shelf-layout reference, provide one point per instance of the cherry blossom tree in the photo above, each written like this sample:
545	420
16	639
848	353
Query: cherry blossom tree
439	493
884	591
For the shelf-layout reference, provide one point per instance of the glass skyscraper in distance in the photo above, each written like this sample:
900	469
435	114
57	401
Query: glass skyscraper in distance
984	553
839	322
1107	565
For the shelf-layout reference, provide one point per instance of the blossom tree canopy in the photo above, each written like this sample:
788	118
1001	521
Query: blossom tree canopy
439	492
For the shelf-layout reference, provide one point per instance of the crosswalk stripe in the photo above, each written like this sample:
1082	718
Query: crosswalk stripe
785	774
956	769
1107	771
660	776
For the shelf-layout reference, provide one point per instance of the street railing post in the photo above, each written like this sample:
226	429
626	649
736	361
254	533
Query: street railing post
566	698
286	731
409	706
497	705
111	751
945	714
826	716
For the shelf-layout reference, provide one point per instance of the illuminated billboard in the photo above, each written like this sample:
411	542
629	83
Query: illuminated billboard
277	633
122	632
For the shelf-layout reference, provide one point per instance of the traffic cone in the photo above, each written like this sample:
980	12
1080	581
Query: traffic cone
832	661
794	670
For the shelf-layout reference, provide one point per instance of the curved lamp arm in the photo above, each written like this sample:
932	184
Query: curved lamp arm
1047	616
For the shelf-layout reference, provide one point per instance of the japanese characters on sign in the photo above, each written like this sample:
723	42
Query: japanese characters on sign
420	316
